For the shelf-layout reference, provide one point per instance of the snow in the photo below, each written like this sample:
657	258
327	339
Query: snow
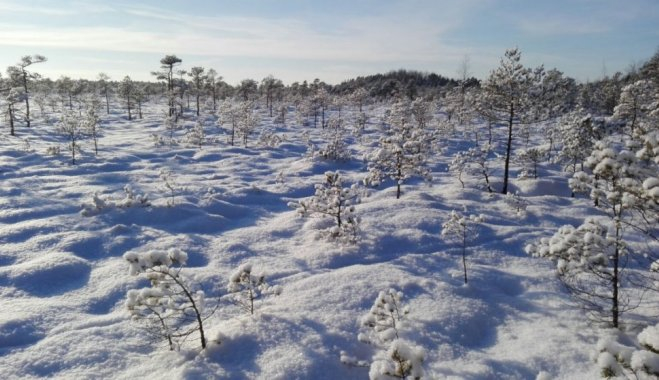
73	235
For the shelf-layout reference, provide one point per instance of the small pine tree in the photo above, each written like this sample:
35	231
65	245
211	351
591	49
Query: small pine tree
335	149
403	151
247	286
473	161
401	361
196	135
529	159
71	125
334	200
170	307
382	322
588	262
462	228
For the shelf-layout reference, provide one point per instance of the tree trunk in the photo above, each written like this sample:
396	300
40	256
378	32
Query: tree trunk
508	149
615	307
11	120
27	102
464	251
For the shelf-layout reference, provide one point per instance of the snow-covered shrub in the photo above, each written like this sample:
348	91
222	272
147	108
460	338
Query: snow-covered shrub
382	322
53	150
461	228
247	286
334	200
403	151
99	203
171	309
401	361
267	138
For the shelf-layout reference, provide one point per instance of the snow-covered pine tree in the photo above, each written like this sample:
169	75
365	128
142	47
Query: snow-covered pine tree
461	228
91	122
589	262
509	96
196	135
71	125
529	159
578	137
126	90
21	77
335	134
473	161
103	84
171	125
198	82
170	307
359	97
403	151
247	286
637	102
228	115
360	125
638	361
14	96
517	203
382	323
248	120
169	186
338	202
401	361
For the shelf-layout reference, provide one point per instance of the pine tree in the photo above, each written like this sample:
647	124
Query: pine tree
22	77
403	151
338	202
246	286
72	126
461	228
170	307
508	96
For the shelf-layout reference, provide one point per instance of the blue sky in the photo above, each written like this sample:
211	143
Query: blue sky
331	40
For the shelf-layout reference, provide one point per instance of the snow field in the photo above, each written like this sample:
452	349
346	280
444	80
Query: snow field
63	281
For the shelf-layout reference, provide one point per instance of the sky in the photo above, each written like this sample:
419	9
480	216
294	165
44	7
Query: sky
332	40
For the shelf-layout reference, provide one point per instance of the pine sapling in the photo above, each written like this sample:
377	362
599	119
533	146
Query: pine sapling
461	228
71	126
401	361
334	200
247	286
382	322
171	308
169	185
196	135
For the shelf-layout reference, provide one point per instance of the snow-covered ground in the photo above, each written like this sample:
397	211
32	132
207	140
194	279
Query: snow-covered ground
63	280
